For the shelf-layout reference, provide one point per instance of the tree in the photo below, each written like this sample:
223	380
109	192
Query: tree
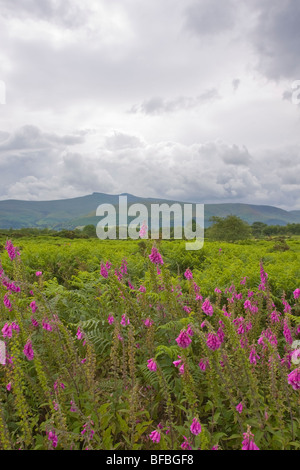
230	229
89	230
257	229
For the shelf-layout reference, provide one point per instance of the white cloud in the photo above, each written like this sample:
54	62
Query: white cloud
186	100
207	172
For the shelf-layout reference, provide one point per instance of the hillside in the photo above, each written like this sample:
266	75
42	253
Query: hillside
80	211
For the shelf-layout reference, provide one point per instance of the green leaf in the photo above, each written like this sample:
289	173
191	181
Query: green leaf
295	444
123	425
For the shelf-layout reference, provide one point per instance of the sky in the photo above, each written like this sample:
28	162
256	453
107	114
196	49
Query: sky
185	100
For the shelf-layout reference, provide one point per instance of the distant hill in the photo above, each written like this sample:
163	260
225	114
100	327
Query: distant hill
80	211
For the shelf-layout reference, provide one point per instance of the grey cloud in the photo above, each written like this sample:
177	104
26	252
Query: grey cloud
167	58
210	172
3	135
85	174
236	83
50	78
31	137
287	95
67	13
276	38
291	177
235	155
210	17
28	152
120	140
158	105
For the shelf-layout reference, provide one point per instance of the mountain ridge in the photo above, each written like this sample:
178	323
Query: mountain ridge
81	210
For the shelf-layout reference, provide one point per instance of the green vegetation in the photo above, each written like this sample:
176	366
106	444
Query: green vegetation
230	228
109	349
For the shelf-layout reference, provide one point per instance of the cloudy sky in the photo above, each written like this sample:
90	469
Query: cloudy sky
189	100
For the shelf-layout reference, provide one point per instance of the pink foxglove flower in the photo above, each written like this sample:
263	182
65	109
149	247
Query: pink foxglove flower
188	274
239	407
110	319
38	273
7	331
152	365
61	384
53	438
221	335
15	327
287	333
183	339
28	351
79	334
296	293
187	309
178	362
207	307
7	302
155	256
213	341
148	322
46	326
269	335
73	406
11	250
287	307
294	379
103	271
123	267
124	320
275	317
34	322
186	445
253	357
155	436
190	331
248	442
195	427
33	306
55	405
203	364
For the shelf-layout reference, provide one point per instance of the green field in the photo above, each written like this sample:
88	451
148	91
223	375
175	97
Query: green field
98	371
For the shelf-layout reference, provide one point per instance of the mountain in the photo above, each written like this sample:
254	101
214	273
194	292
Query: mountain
80	211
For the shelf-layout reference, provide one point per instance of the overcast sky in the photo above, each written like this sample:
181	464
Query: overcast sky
189	100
